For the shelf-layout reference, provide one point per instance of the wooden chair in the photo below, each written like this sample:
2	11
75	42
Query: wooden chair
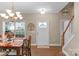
26	49
29	45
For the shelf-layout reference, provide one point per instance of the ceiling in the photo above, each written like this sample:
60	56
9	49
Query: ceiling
33	7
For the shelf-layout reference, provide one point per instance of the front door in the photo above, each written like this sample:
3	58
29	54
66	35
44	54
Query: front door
42	35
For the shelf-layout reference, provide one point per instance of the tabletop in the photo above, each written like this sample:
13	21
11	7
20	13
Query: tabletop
15	43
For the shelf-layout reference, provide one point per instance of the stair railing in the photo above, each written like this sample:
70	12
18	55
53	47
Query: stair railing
63	34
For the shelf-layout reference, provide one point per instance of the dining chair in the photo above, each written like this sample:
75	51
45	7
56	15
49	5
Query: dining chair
25	47
29	45
26	50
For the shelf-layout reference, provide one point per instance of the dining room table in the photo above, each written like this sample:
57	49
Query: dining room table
15	44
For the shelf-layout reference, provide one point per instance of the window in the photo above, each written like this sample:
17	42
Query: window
42	24
16	28
20	26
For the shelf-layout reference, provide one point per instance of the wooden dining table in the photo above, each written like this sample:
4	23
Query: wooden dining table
16	45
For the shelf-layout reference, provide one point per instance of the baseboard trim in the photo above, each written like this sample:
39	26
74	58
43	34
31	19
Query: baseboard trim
49	44
42	46
65	52
33	44
54	44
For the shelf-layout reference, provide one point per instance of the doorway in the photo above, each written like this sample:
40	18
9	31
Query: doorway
42	34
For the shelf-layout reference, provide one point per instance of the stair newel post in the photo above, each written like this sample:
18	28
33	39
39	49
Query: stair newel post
62	41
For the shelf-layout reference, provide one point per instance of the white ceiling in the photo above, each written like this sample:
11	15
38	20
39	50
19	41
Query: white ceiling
33	7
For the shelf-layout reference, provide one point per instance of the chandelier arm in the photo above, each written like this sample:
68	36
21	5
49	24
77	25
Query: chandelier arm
11	13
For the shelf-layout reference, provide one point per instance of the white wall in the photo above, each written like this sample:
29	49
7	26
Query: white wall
75	42
54	26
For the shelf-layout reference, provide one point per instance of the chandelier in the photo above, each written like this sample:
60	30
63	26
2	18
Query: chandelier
11	14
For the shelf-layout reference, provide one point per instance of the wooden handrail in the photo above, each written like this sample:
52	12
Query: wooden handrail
69	24
62	40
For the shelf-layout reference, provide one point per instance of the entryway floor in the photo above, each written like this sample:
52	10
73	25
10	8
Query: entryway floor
52	51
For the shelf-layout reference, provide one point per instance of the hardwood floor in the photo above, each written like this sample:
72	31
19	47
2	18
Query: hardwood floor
52	51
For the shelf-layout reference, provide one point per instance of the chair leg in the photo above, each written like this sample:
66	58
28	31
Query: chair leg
29	52
22	51
25	52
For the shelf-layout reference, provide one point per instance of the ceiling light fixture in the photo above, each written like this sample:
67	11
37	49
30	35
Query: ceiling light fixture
42	10
11	14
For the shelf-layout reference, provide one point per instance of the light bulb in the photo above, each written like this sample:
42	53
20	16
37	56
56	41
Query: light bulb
11	14
42	10
20	17
8	11
3	15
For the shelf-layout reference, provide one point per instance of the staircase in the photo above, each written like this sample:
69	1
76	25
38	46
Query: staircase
65	45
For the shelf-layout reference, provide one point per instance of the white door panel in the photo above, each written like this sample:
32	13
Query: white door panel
42	37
